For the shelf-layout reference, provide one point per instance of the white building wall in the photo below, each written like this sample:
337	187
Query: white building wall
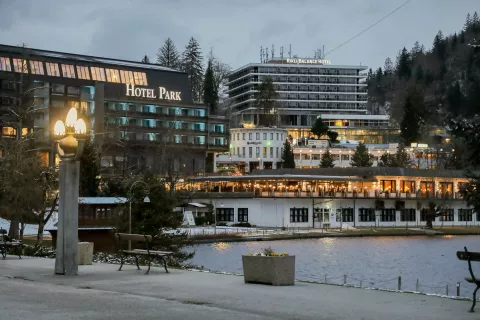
275	212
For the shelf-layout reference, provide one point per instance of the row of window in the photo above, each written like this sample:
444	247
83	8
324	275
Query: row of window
68	71
264	155
227	214
149	108
278	136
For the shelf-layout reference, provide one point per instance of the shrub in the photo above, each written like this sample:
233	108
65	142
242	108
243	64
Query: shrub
200	221
242	224
221	224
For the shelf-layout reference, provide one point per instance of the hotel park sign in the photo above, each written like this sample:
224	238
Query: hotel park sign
162	93
309	61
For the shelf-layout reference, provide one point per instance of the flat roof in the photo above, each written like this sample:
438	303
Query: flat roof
281	177
325	66
84	58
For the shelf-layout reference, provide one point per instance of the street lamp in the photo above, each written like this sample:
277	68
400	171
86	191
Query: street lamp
70	138
146	199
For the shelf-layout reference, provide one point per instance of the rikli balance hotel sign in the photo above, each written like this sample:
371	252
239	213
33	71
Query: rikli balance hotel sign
161	93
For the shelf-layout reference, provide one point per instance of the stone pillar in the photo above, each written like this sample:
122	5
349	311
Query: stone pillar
214	162
67	228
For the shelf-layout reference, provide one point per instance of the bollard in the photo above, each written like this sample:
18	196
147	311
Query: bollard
416	286
446	290
458	289
344	279
399	283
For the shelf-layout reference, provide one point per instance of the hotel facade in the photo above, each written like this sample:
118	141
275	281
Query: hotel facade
135	112
307	89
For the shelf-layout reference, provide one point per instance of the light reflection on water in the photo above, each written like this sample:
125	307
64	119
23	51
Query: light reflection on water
374	260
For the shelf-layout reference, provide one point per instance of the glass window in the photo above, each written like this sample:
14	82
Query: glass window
257	135
387	185
264	136
140	78
271	152
277	136
271	136
36	67
83	73
465	214
408	215
366	215
127	77
249	136
112	75
20	65
407	186
5	64
68	71
52	69
98	74
225	214
299	215
387	215
249	152
242	214
346	214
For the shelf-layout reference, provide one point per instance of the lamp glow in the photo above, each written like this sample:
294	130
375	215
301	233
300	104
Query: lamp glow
80	126
71	117
59	128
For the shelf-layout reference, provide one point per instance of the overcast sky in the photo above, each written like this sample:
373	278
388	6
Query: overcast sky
235	29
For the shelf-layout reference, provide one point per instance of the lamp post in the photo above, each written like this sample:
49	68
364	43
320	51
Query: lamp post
69	146
146	199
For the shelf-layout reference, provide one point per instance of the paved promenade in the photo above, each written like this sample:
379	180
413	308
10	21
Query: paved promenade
29	290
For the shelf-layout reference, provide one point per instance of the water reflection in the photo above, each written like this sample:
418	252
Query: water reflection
375	260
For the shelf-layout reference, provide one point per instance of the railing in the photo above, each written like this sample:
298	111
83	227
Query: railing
367	194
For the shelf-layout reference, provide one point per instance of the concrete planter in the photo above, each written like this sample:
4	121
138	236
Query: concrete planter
85	253
277	271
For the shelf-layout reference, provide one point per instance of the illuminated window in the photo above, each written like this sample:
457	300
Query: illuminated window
83	106
338	123
8	131
140	78
52	69
36	67
112	75
20	65
83	73
5	64
44	156
127	77
68	71
98	74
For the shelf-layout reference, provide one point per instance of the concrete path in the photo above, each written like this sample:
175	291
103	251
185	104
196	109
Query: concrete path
29	290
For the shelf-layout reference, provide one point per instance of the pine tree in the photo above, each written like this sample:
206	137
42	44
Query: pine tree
265	101
168	56
403	64
327	160
439	45
145	59
210	94
361	157
468	22
417	50
419	74
475	22
456	101
400	159
287	156
319	128
192	64
88	171
388	67
412	122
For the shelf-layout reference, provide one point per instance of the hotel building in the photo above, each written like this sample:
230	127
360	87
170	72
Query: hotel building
308	88
135	112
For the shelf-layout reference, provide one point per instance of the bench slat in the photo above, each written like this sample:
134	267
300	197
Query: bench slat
472	256
154	251
133	237
145	253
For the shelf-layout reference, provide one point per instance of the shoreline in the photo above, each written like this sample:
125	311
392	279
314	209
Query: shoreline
351	234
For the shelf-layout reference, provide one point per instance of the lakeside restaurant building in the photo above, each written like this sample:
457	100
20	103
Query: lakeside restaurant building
319	198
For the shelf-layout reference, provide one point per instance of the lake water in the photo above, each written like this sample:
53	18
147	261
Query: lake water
377	261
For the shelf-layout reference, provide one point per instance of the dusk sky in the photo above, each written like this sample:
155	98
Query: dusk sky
234	29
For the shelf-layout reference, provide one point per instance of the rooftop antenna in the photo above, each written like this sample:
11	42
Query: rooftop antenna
266	54
261	54
273	51
290	52
281	52
323	52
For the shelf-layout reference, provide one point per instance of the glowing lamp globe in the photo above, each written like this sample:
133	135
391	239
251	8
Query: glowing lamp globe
71	117
80	127
59	128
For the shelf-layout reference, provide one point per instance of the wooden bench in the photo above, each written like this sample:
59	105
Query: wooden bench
140	238
7	245
469	257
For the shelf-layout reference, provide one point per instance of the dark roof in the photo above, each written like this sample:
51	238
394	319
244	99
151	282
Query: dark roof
83	58
367	172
